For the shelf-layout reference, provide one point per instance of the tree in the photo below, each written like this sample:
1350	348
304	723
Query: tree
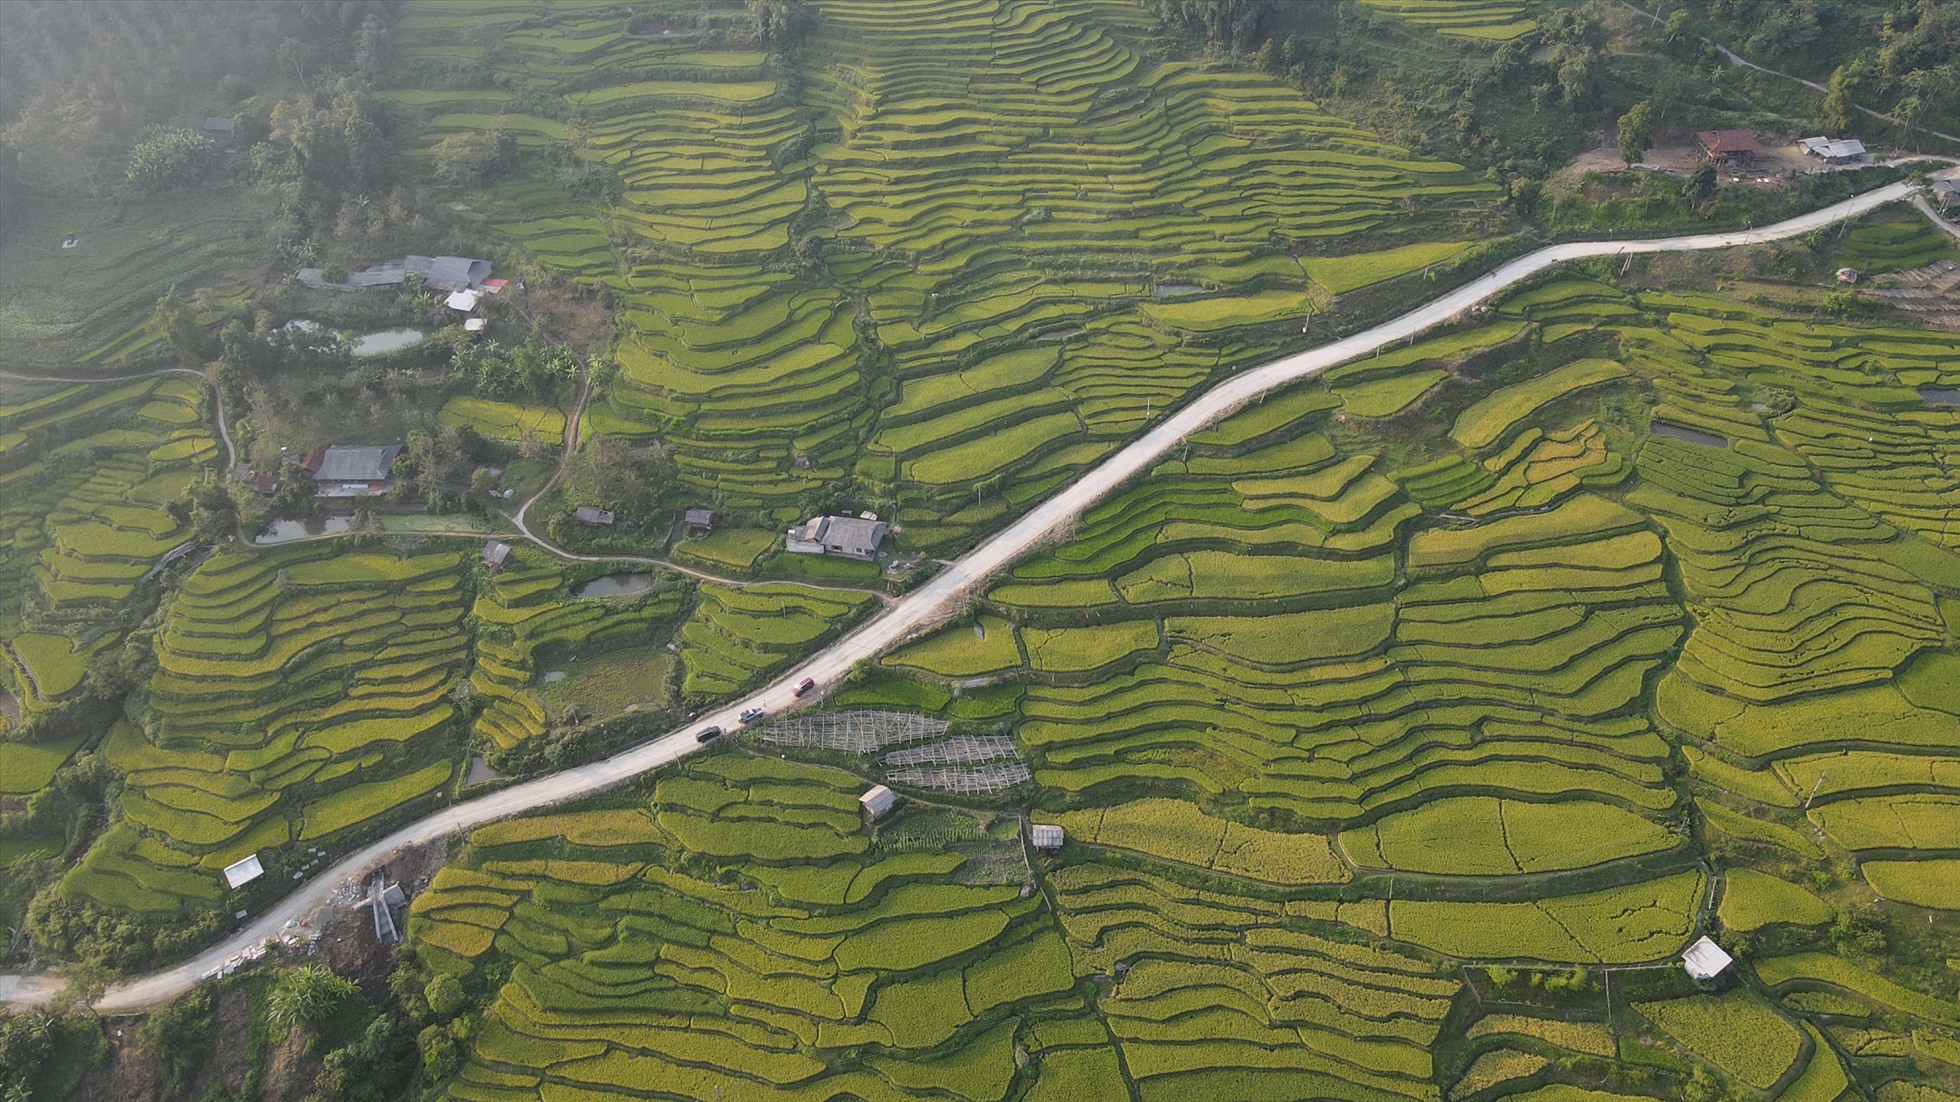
1837	101
179	1036
780	25
375	1067
169	157
61	142
439	1052
174	316
371	50
611	472
306	995
445	996
1637	130
1699	187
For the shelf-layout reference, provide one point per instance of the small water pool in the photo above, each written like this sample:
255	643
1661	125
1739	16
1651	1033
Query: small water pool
614	585
1940	395
286	531
378	343
383	341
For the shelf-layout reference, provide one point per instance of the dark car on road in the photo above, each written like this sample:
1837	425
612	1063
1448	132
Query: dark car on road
708	734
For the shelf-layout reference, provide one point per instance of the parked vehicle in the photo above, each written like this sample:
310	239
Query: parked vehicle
750	715
804	686
708	734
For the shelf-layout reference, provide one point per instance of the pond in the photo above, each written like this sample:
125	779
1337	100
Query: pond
1684	433
480	771
384	341
1173	290
1940	395
286	531
614	585
378	343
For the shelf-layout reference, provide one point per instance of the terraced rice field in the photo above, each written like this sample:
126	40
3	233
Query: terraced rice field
297	696
85	475
1483	20
1463	661
525	612
1005	219
818	962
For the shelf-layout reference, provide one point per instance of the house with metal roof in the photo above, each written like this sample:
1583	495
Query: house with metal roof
1835	151
594	516
1727	146
352	470
857	537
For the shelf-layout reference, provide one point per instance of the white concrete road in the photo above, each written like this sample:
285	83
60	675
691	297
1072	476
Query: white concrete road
921	608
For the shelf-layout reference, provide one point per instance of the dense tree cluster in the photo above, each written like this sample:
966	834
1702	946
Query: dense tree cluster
1903	58
80	82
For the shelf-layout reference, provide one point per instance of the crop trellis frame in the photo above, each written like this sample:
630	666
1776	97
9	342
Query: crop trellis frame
860	731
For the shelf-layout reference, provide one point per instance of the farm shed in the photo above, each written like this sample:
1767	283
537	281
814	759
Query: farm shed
1705	960
1835	151
594	516
464	300
496	554
455	273
240	873
852	537
216	126
877	800
1946	193
699	521
1047	837
1726	146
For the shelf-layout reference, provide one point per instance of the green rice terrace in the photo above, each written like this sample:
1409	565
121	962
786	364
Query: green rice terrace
1010	257
1395	738
1387	770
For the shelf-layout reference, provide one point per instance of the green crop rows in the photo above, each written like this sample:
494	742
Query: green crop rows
85	475
818	962
296	695
1007	220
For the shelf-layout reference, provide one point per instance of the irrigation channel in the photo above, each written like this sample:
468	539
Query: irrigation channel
920	609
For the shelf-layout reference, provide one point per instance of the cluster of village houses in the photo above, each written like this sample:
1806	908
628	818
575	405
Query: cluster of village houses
366	470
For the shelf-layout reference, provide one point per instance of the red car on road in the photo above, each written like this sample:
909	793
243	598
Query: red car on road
804	686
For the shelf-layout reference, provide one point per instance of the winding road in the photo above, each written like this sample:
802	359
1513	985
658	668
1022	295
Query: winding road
923	607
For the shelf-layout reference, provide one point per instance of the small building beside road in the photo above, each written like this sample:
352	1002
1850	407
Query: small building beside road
496	555
1047	837
594	517
858	537
1833	151
1946	194
240	873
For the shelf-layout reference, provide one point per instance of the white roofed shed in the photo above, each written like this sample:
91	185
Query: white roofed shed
1705	960
877	800
240	873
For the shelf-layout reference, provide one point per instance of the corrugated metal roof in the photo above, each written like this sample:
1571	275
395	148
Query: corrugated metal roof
357	463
